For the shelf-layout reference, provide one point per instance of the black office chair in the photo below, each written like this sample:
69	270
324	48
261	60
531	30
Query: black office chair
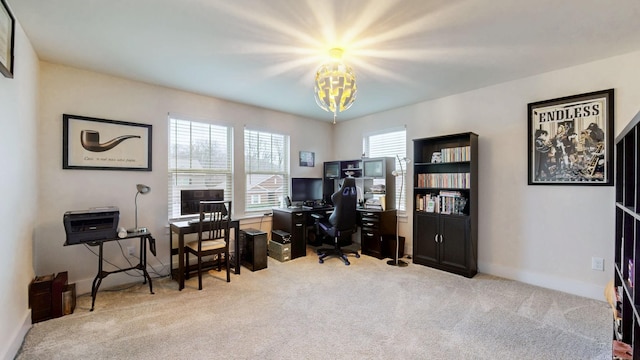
341	224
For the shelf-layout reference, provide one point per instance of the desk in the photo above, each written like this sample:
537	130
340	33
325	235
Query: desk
295	221
377	236
142	264
181	228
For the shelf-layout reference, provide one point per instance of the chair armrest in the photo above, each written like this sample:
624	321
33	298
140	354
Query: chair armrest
317	216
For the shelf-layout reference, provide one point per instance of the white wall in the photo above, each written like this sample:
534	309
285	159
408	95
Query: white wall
543	235
78	92
18	191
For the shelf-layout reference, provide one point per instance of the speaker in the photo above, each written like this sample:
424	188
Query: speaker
253	249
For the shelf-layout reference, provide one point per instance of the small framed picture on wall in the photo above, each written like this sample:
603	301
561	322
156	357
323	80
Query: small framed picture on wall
307	158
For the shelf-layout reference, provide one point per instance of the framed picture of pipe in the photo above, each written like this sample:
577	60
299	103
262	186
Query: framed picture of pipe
100	144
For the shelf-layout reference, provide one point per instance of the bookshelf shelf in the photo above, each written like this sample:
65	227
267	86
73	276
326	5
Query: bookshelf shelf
446	202
627	238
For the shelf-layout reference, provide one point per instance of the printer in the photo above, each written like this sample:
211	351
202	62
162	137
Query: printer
95	224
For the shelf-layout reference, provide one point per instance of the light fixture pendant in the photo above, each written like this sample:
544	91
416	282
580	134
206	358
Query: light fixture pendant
335	85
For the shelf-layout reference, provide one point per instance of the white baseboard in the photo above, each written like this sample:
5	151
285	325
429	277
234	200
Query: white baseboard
554	282
18	338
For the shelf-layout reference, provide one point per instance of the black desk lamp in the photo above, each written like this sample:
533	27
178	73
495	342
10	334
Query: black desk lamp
142	189
396	262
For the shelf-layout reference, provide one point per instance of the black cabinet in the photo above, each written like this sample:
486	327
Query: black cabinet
378	233
446	202
374	180
295	222
444	243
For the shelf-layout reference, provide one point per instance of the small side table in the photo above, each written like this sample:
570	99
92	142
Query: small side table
145	236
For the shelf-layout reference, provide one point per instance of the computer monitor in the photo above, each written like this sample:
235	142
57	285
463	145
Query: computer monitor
190	199
306	189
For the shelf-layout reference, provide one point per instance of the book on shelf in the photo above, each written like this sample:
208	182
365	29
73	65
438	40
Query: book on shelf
444	180
446	202
456	154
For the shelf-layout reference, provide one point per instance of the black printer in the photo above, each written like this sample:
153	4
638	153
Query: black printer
95	224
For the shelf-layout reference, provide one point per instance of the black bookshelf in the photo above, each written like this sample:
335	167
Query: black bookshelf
445	234
627	238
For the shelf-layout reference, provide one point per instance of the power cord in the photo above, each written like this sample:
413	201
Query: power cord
136	273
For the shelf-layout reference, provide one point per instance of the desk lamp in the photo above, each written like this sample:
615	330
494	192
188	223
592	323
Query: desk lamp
142	189
395	261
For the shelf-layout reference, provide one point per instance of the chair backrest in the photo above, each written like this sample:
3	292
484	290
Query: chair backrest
344	204
214	220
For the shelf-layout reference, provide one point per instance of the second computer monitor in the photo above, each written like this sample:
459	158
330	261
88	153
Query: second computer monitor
306	189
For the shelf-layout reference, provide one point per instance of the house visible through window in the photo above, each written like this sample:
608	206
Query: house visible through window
266	162
391	143
200	157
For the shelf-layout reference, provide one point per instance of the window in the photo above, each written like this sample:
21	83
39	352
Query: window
391	143
200	157
266	162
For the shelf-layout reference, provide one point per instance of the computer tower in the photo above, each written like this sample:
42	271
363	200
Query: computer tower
253	249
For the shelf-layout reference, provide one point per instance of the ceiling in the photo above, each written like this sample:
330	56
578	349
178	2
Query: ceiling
265	53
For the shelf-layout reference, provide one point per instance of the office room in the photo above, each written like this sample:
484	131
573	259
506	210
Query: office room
536	238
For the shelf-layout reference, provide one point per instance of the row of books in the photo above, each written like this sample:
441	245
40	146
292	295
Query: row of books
445	180
446	202
462	153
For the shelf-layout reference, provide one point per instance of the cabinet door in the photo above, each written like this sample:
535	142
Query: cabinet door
370	233
298	239
425	241
453	245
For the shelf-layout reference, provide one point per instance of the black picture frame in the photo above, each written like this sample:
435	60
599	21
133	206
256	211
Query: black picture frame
100	144
570	140
307	158
7	39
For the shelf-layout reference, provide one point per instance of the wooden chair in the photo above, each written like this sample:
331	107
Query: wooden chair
213	236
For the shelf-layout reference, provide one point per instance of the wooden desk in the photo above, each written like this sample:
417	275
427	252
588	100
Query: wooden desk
181	228
142	264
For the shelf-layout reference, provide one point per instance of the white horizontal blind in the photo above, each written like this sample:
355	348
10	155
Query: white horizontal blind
200	157
391	144
266	169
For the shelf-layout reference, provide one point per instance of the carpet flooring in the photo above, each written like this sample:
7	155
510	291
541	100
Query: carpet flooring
301	309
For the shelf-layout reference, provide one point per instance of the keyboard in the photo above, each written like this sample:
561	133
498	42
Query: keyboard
316	207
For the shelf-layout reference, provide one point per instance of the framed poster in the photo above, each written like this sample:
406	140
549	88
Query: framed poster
307	158
7	30
571	140
101	144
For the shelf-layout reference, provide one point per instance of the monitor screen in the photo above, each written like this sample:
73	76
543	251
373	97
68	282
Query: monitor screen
190	199
306	189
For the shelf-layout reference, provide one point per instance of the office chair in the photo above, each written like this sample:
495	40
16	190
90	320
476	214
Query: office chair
213	236
341	223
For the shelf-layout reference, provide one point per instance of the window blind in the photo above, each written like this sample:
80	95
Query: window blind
200	157
266	169
392	143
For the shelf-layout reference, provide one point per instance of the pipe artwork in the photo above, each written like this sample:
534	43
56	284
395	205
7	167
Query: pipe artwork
90	140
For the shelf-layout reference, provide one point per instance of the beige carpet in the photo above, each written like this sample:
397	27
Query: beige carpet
304	310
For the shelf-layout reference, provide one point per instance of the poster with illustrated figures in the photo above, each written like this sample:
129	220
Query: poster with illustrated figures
571	140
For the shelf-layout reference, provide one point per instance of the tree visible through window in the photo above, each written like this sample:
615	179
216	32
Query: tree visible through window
266	162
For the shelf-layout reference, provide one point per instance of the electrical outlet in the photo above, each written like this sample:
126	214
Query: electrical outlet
131	250
597	263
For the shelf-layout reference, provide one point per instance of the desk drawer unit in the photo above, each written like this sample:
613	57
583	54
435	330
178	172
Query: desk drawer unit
295	224
375	228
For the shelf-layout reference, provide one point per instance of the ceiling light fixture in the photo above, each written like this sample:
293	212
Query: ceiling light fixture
335	86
